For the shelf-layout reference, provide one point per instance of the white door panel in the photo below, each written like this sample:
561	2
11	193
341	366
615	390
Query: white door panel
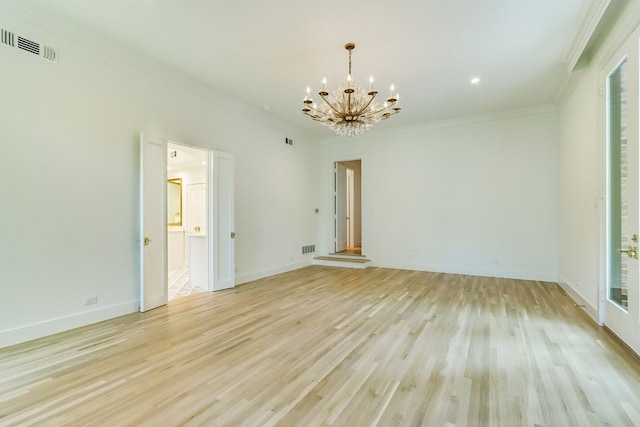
153	222
222	250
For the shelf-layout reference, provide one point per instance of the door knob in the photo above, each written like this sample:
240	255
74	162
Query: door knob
632	252
233	235
147	241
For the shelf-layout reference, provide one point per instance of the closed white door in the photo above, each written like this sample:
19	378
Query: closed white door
222	241
153	222
620	297
340	207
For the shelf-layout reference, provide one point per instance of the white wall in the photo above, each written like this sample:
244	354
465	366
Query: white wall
580	161
69	179
473	196
579	194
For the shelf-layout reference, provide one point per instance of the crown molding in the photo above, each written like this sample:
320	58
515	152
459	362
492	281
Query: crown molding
23	15
568	87
585	32
447	123
37	19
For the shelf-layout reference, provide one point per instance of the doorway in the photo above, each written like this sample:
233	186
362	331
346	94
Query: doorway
217	263
187	249
347	212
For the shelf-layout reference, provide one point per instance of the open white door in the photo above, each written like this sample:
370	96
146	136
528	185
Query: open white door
620	299
340	207
153	222
222	247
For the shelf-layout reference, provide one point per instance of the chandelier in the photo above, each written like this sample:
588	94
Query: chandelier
351	109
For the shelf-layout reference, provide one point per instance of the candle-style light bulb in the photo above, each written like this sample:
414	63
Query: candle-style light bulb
392	89
371	82
324	83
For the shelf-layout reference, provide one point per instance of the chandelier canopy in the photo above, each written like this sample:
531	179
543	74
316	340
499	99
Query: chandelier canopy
351	109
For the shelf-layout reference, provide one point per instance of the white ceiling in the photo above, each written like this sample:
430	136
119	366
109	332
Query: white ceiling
267	52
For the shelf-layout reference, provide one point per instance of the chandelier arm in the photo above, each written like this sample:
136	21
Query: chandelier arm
329	104
310	107
316	114
358	113
384	108
387	115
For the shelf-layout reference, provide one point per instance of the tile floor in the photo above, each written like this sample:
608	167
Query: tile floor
179	285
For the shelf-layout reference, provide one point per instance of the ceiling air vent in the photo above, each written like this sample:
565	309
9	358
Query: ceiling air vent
45	52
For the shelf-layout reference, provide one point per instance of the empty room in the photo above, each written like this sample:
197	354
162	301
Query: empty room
335	214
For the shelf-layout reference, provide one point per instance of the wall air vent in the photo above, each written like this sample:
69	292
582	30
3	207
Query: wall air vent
28	45
8	38
49	54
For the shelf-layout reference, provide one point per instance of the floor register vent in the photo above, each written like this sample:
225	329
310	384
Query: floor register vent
8	38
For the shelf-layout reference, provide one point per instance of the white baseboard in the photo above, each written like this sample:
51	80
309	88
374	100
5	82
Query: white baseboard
507	274
579	299
61	324
250	277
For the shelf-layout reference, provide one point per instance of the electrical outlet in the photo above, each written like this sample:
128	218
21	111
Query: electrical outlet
90	300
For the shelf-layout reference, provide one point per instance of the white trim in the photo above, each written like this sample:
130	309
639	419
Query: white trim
65	323
580	301
585	32
21	16
332	177
568	87
257	275
469	271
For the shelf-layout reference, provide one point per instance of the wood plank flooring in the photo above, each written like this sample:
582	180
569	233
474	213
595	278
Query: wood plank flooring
325	346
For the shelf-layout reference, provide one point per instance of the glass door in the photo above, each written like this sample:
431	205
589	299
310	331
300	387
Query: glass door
620	299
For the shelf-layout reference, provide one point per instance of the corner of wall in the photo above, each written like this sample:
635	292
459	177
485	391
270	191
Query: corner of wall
581	302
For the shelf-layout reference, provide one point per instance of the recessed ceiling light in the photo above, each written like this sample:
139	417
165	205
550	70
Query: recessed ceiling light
475	80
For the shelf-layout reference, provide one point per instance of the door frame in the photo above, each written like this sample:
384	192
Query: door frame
628	49
350	208
331	199
213	217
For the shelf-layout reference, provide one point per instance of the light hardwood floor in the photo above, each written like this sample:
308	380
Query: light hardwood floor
332	346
